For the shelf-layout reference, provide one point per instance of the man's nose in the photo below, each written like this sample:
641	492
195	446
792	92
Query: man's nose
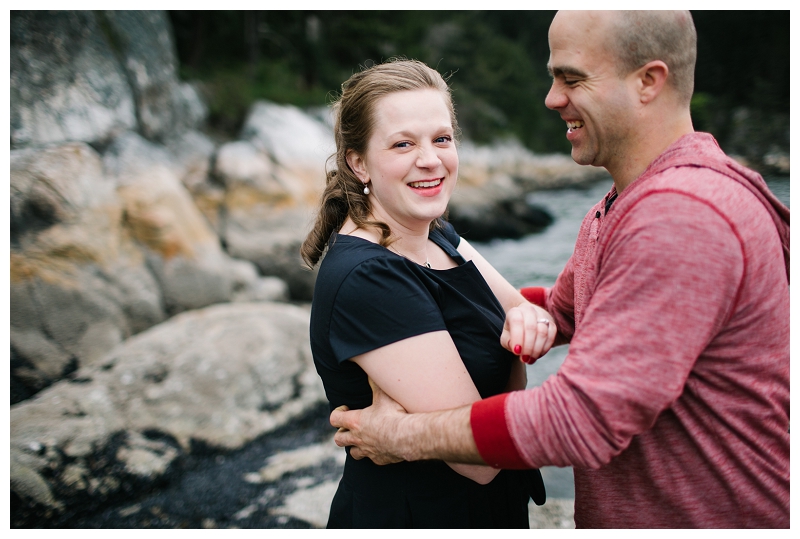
556	98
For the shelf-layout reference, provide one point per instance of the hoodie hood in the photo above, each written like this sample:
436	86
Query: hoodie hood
702	149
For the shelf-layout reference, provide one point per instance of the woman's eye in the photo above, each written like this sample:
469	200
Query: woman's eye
402	145
443	139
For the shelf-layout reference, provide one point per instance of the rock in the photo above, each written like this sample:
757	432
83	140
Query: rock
489	200
66	84
556	513
182	250
218	377
298	144
761	138
248	176
271	240
507	218
483	165
143	41
102	250
78	284
273	179
246	282
311	504
192	151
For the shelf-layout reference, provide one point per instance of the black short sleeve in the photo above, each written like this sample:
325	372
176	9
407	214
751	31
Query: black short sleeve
381	301
450	234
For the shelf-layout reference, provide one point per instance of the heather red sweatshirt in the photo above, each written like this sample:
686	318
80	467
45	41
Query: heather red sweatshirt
673	402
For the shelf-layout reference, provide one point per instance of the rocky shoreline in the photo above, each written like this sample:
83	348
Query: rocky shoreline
285	480
208	487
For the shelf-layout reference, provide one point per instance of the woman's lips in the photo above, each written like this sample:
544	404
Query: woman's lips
427	187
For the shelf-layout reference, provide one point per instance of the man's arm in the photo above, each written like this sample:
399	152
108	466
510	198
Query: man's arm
425	373
386	433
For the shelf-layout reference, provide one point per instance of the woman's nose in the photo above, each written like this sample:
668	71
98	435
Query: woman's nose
427	157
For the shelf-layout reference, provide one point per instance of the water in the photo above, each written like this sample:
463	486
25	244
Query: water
536	260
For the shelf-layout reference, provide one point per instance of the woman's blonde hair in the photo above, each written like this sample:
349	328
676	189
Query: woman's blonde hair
354	119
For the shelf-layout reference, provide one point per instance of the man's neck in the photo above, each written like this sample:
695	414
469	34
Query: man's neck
650	143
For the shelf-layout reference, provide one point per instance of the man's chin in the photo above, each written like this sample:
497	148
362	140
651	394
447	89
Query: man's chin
580	158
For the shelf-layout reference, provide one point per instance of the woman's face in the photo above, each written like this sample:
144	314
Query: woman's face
411	159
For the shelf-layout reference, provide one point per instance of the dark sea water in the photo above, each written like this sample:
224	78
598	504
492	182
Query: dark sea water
536	260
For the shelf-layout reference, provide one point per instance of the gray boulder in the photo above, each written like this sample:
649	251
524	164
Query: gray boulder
182	250
484	166
273	179
219	377
298	143
143	41
271	239
90	75
66	83
79	286
193	152
104	249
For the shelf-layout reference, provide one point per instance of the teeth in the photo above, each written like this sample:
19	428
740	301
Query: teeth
575	125
431	183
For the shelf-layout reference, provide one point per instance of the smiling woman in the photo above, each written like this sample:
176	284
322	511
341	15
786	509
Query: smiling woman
403	302
411	161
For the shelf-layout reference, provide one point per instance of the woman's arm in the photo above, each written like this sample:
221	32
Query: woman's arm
424	374
522	327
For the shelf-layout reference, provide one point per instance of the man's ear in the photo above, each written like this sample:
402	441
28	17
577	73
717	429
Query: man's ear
651	79
357	165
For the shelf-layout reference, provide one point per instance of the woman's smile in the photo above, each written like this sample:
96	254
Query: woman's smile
427	188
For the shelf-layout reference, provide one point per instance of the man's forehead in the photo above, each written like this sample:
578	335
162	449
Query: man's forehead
578	41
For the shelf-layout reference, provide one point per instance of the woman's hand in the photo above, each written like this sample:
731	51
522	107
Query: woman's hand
529	332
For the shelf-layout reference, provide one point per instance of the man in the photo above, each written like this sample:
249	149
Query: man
673	402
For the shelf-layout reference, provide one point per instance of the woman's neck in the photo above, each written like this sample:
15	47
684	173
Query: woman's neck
410	243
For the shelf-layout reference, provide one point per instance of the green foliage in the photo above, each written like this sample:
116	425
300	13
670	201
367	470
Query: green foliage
496	61
230	90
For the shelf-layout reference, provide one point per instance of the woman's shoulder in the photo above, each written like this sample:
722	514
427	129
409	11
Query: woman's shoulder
353	256
344	250
447	232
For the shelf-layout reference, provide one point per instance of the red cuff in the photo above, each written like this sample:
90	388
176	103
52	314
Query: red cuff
490	431
535	294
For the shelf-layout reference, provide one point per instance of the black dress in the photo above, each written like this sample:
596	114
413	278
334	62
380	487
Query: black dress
366	297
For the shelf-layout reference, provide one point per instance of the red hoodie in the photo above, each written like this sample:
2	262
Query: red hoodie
673	402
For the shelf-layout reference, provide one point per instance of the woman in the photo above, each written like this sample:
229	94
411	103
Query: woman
401	299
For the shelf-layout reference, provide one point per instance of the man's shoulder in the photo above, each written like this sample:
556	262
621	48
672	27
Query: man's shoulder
692	162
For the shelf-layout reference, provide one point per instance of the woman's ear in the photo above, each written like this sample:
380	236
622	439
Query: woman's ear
651	78
357	165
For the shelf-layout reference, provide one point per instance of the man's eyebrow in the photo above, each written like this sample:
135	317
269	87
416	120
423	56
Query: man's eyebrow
565	70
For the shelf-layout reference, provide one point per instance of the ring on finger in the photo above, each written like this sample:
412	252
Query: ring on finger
543	321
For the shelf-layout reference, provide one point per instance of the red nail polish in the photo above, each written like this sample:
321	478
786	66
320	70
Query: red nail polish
527	359
517	349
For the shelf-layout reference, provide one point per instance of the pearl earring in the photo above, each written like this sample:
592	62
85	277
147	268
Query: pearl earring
366	189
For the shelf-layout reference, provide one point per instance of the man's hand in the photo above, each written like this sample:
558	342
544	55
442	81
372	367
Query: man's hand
529	332
368	431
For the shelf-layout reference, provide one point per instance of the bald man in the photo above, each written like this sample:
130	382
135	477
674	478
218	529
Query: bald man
673	402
